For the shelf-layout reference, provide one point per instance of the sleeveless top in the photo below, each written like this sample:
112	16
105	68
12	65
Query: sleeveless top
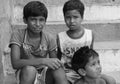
69	46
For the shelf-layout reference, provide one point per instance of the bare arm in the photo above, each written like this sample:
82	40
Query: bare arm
59	73
59	53
19	63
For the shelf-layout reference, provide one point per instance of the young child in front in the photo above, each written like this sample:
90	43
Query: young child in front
74	38
32	49
87	64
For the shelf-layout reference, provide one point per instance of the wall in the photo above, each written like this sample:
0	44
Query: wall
5	13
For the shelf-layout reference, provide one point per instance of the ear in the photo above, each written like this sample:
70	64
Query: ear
82	72
24	20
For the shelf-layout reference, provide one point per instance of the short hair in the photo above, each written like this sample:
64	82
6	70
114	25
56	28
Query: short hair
81	57
35	8
74	5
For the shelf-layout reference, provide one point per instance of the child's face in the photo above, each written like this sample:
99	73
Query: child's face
35	24
93	67
73	19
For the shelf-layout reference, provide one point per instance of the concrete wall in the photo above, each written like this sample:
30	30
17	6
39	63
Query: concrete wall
5	13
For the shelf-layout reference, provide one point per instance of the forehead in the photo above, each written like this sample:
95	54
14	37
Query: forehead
72	12
36	17
93	59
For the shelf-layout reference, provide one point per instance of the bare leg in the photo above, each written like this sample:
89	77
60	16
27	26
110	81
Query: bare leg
27	75
56	77
49	77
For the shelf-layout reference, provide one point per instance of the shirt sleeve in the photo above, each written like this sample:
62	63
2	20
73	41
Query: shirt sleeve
16	38
52	43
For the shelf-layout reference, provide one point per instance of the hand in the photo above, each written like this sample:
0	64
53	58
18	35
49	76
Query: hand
53	63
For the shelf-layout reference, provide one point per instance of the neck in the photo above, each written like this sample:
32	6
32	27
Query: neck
76	33
33	35
90	80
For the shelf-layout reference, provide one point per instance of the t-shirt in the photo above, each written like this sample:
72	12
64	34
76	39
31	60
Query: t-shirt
21	38
69	46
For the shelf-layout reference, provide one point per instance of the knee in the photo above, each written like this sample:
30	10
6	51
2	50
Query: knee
28	71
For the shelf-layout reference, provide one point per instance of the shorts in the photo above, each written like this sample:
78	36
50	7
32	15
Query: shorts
39	79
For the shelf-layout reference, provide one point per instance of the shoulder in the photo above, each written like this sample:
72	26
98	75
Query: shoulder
79	81
88	30
48	36
51	39
19	32
62	33
101	81
17	36
108	79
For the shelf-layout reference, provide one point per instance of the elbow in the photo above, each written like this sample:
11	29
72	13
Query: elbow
15	65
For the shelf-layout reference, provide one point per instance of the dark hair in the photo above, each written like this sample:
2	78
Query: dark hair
74	5
81	57
35	8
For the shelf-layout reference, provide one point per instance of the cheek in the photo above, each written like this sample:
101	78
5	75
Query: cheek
67	21
90	70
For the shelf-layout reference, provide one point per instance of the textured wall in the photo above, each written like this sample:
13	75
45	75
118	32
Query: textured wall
5	13
95	12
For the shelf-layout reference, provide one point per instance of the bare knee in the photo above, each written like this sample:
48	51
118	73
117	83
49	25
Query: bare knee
27	74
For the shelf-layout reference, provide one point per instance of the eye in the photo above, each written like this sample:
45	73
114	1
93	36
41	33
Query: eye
32	19
93	64
67	17
75	17
41	19
98	61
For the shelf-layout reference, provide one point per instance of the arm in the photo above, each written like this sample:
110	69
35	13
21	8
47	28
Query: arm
59	53
18	63
108	79
58	74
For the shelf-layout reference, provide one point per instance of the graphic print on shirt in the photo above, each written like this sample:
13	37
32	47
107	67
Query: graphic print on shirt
69	46
69	49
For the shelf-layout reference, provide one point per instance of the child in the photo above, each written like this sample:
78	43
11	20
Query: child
77	36
87	64
74	38
30	47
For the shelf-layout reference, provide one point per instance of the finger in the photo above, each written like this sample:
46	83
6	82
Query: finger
61	64
52	66
56	65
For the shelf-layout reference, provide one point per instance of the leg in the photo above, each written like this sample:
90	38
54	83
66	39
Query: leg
49	77
56	77
60	76
27	75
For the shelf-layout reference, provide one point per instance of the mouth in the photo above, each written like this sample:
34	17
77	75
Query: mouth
37	30
72	25
99	73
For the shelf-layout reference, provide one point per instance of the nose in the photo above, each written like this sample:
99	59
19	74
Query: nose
37	23
98	67
72	20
